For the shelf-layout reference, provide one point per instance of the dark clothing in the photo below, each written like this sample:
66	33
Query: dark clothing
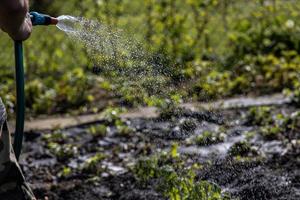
12	181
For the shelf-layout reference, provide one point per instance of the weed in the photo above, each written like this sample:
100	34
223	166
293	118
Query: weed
65	172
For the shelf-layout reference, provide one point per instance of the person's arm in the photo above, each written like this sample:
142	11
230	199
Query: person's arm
14	18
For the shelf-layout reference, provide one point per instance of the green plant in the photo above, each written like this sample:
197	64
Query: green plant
241	148
112	115
169	109
280	126
249	135
209	137
295	94
294	123
175	181
62	151
57	136
146	169
207	190
259	115
65	172
204	49
99	130
93	164
270	132
124	130
188	125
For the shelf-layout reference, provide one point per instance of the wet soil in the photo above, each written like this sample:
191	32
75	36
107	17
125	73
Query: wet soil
55	161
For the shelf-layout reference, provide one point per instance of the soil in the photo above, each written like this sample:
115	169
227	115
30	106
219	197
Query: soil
270	171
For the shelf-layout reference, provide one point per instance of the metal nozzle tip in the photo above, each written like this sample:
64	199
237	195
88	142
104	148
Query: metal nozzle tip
54	21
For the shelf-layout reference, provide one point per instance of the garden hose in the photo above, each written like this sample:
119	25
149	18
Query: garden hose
37	19
20	107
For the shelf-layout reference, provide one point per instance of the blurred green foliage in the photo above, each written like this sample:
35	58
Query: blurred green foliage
209	48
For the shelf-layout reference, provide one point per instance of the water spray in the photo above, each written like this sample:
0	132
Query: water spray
36	19
122	59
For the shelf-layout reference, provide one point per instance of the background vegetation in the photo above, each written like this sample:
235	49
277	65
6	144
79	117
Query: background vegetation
211	49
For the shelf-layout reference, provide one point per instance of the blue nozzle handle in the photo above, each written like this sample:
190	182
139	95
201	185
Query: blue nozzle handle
39	19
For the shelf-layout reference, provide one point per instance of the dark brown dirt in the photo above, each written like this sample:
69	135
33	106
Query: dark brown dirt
270	174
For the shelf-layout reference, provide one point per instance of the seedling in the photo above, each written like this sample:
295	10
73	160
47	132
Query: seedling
208	138
112	115
295	94
99	130
175	181
93	164
124	130
62	152
169	109
249	135
56	136
270	132
259	116
65	172
280	126
188	125
240	149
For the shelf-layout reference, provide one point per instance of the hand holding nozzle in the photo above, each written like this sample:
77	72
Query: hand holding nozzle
14	19
42	19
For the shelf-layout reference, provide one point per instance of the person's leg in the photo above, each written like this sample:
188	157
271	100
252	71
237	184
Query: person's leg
12	181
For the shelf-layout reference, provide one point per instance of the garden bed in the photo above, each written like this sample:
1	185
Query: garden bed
245	153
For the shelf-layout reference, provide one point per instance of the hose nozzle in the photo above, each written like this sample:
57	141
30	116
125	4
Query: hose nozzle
41	19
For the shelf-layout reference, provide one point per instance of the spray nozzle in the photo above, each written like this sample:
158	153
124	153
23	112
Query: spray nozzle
41	19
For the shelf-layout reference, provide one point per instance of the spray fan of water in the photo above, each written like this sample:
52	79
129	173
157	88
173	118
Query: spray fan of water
120	59
124	61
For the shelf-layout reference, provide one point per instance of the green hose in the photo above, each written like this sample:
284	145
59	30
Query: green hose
20	108
36	19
